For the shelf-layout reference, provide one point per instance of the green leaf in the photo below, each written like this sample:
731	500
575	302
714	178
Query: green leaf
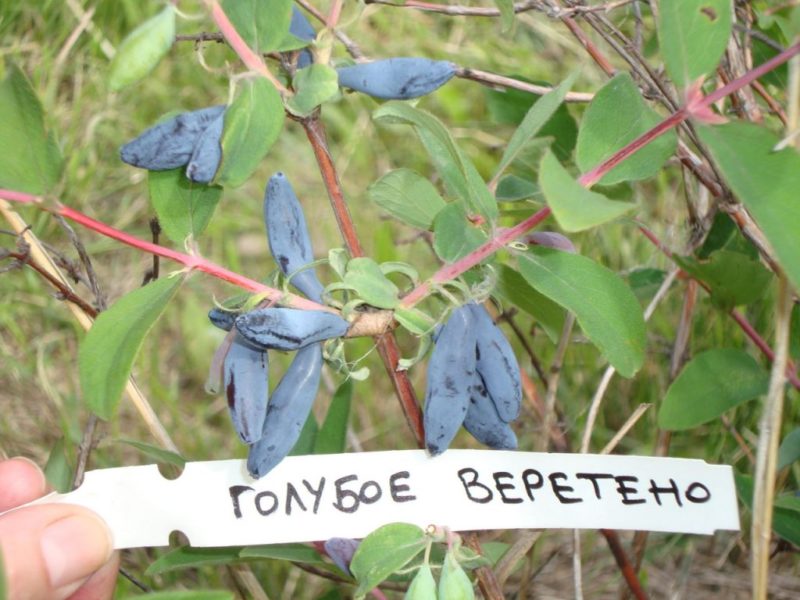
105	358
58	471
308	437
332	436
509	107
364	276
313	85
187	557
735	279
456	169
710	384
574	207
293	552
645	281
384	551
785	521
253	123
34	165
788	501
184	208
262	24
512	288
408	197
506	8
143	49
692	36
158	454
789	450
765	181
512	189
604	306
616	117
539	114
454	236
184	595
413	319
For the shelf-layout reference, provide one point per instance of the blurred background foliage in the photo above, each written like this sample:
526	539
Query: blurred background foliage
66	53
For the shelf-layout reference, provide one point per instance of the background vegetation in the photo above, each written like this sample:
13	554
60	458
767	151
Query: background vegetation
64	47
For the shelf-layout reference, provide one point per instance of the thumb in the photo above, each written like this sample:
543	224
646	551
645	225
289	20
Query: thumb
48	551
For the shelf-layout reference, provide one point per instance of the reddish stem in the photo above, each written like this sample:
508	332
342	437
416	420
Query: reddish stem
452	271
252	61
624	564
195	263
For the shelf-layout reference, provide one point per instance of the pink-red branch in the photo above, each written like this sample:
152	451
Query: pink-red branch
252	61
191	262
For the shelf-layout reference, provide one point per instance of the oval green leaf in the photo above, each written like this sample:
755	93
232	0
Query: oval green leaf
765	181
143	49
313	86
34	165
332	435
789	450
710	384
536	118
734	278
454	236
184	208
384	551
408	197
459	174
365	278
574	207
253	123
692	36
604	306
616	117
262	24
105	358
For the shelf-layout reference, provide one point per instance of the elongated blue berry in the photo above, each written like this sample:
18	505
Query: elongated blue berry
289	328
222	318
451	372
301	28
169	144
207	153
288	237
341	551
497	365
288	410
483	422
397	78
246	373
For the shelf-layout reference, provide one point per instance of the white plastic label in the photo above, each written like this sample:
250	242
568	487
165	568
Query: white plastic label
317	497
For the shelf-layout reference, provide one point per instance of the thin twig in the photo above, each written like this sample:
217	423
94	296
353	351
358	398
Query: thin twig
626	427
351	47
494	80
84	450
554	378
769	430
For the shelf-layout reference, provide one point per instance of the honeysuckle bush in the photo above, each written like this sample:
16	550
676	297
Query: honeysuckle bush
680	294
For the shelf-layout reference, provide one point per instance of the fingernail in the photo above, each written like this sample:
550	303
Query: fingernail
74	547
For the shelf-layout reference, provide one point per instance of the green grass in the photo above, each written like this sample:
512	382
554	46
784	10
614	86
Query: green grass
39	391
